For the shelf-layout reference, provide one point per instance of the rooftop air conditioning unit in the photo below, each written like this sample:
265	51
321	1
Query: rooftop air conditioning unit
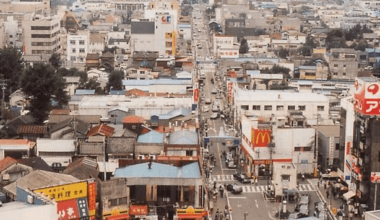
30	199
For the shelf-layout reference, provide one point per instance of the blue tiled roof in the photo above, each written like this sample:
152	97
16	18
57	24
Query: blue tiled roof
152	137
159	170
183	137
117	92
85	92
175	113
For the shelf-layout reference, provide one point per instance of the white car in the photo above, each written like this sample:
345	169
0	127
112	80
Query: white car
206	109
214	115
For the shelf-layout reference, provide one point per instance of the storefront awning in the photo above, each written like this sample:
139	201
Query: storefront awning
118	217
348	195
248	151
189	216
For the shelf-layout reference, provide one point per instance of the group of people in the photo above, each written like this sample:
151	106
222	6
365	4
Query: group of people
219	215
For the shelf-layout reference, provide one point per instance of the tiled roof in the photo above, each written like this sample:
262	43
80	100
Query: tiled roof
6	162
60	112
37	163
14	142
137	92
152	137
83	168
92	56
32	129
102	129
133	119
183	137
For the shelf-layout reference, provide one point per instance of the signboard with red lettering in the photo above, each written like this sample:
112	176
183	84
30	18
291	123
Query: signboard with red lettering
375	177
196	95
91	195
367	96
68	209
261	137
138	210
229	86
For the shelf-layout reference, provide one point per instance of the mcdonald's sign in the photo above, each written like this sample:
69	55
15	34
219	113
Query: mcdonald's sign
261	138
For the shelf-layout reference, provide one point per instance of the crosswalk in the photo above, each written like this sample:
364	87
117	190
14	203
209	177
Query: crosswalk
248	188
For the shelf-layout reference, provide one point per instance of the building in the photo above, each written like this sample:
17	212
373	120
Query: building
16	148
343	63
328	146
41	35
57	153
77	47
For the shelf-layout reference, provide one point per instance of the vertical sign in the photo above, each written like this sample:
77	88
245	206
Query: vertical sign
68	209
173	43
91	195
196	95
229	86
331	154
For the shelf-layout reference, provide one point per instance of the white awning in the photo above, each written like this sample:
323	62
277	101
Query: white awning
348	195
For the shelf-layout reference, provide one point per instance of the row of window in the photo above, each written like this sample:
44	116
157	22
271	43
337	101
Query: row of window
45	43
73	42
42	28
81	50
45	35
279	107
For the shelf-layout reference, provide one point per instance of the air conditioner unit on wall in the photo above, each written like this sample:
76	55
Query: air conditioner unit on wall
30	199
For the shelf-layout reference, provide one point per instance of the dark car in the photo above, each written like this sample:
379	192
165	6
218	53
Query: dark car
297	215
242	178
234	188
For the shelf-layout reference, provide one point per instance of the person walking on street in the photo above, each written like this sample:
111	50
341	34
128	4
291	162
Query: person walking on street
327	194
217	214
221	190
325	185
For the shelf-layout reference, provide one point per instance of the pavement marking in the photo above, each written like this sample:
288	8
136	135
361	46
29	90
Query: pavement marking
237	197
257	205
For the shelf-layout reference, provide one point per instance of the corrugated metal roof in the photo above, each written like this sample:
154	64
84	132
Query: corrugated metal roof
102	129
85	92
59	145
159	170
183	137
32	129
152	137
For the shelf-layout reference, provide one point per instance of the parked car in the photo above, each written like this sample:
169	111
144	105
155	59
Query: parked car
215	108
297	215
304	209
206	109
304	199
207	101
234	188
213	91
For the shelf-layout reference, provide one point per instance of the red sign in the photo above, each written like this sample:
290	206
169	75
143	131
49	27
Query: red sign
138	210
261	138
367	97
348	146
196	95
91	195
68	209
375	177
229	86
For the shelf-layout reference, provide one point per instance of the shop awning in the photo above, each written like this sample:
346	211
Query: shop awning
118	217
248	151
189	216
348	195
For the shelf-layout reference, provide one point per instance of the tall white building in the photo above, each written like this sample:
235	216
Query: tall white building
77	47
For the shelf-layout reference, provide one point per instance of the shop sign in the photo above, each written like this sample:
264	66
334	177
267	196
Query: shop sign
138	210
65	192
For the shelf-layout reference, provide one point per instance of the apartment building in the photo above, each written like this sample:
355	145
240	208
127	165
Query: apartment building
41	35
343	63
77	47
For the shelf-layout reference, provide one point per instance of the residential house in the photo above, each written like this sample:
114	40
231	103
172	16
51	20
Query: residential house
92	61
17	98
56	153
71	128
16	148
11	170
72	83
150	144
117	114
121	146
97	43
77	48
114	196
93	147
82	168
182	143
133	123
36	163
32	132
101	130
11	126
107	60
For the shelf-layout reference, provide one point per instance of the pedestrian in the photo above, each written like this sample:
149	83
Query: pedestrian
214	185
217	214
226	211
325	185
327	194
318	184
221	190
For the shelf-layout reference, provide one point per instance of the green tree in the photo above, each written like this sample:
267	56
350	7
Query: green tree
74	72
243	46
55	61
42	84
115	80
283	53
93	84
11	67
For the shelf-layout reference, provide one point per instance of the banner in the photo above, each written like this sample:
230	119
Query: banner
367	96
173	44
229	86
65	192
91	198
196	95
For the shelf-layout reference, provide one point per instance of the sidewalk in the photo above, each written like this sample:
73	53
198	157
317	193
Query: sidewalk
332	203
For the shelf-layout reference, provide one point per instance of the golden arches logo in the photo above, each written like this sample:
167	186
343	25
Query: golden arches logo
262	138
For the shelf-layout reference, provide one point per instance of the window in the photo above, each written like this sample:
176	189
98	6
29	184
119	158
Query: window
112	202
302	148
302	107
291	107
189	153
81	42
81	50
335	65
320	108
256	107
280	108
336	146
244	107
74	50
72	42
267	107
73	58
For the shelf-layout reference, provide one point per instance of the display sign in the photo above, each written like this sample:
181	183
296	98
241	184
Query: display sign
191	212
375	177
65	192
138	210
68	209
261	137
91	198
229	86
165	19
82	207
173	43
367	96
196	95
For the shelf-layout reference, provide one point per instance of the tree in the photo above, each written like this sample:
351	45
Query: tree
243	46
11	67
283	53
55	61
75	72
42	84
115	80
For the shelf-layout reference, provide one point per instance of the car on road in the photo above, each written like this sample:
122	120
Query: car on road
304	209
242	178
304	199
214	91
205	109
207	101
234	188
297	215
215	108
214	115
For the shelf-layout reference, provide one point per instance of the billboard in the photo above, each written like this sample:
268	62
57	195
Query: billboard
91	198
68	209
367	96
196	95
165	19
229	86
261	137
375	177
65	192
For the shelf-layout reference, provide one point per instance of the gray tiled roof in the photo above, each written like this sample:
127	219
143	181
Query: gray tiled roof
142	27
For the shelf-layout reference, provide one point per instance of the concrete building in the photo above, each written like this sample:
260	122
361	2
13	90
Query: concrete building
328	146
343	63
261	103
284	177
77	47
220	42
41	35
15	148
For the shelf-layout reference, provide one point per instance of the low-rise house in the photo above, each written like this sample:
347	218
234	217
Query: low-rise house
82	168
122	146
72	83
150	144
32	132
114	196
11	170
101	130
182	143
16	148
92	61
343	63
93	147
56	153
36	163
11	127
17	98
71	128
